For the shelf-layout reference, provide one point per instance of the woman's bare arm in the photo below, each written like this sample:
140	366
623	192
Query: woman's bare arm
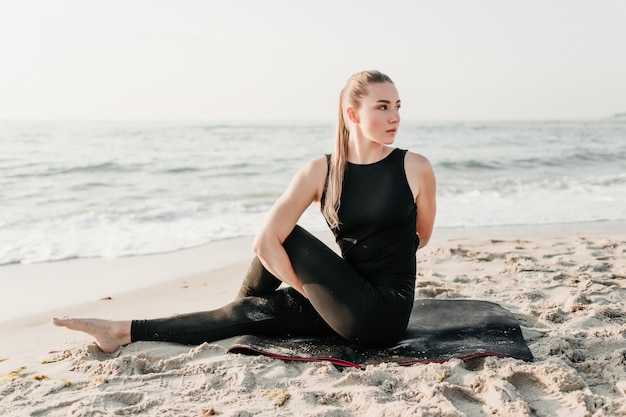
422	181
305	188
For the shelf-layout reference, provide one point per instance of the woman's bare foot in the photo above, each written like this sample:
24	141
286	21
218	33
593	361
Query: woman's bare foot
109	335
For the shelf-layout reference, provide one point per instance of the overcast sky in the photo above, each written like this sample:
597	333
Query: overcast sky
287	60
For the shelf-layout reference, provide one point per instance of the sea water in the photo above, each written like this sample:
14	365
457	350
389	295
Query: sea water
72	189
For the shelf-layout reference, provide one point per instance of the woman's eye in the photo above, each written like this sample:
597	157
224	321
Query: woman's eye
383	107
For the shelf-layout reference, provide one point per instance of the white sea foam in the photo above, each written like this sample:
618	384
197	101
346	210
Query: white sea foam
71	189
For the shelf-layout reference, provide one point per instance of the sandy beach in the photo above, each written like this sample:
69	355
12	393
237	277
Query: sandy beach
566	285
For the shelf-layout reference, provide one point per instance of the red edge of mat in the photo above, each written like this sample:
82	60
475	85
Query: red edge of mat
340	362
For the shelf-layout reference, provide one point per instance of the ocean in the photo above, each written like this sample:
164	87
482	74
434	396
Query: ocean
107	189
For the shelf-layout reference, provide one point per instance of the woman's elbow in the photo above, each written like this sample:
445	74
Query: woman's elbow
262	244
422	241
257	245
423	237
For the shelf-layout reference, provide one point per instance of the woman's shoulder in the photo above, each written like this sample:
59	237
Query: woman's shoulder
420	176
416	160
315	170
313	174
317	165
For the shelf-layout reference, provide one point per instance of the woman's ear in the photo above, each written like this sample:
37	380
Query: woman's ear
351	113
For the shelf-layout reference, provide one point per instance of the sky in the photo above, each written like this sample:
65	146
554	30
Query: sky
281	60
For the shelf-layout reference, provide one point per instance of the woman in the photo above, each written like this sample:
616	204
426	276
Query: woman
379	202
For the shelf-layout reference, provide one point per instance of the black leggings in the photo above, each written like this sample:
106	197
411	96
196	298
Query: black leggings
340	301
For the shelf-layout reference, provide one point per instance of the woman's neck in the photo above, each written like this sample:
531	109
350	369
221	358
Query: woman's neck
366	152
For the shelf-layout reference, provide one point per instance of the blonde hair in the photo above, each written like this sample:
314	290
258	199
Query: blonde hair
354	90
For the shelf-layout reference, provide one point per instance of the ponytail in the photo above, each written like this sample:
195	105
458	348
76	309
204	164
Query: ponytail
352	93
336	170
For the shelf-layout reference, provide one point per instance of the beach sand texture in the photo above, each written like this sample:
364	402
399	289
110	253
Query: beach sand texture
568	292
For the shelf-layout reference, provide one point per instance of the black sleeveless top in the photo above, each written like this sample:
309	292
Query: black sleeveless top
377	217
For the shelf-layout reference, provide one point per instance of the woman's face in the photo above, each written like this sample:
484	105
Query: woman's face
379	114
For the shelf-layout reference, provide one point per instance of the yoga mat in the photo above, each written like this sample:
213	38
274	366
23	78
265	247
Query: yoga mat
438	330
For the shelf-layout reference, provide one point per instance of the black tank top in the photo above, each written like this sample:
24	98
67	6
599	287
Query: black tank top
377	222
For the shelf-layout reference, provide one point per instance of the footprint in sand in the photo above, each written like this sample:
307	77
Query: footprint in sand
121	402
474	364
464	400
192	383
541	402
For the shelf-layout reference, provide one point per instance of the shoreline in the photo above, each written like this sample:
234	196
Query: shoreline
590	227
565	284
109	277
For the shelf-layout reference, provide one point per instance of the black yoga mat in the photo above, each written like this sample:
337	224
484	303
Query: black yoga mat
439	330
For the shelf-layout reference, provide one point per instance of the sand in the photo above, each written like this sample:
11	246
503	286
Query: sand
566	287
